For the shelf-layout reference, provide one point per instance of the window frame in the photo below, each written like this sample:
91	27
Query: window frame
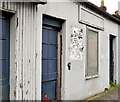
86	68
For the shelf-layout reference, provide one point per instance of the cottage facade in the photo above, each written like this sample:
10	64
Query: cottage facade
60	50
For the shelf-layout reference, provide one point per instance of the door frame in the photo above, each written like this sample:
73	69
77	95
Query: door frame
112	37
56	23
59	63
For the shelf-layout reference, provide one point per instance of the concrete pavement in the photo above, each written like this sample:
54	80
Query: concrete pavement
110	96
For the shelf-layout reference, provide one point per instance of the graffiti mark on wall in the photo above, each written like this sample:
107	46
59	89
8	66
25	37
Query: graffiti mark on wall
76	44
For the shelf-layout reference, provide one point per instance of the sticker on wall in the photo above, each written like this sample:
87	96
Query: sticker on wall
76	44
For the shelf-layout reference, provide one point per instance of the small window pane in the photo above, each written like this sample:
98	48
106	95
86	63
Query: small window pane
92	55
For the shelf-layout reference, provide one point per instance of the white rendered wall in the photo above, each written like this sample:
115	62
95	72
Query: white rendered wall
74	84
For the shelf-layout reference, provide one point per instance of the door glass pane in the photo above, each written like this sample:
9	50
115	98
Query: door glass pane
2	48
92	53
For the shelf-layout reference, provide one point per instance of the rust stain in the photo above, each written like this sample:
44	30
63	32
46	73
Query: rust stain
15	81
21	86
14	93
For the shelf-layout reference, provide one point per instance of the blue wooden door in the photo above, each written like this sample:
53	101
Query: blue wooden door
111	58
4	58
49	63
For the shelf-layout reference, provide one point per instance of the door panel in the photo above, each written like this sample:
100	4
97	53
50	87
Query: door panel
52	66
53	36
52	52
49	64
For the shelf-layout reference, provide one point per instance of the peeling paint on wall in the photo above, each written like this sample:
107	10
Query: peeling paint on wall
76	44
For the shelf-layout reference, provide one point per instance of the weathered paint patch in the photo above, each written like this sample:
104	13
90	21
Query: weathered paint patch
24	66
76	44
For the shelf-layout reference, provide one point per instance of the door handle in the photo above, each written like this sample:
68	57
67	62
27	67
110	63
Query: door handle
69	66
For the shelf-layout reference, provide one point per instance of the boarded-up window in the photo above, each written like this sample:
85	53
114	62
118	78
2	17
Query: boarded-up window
92	53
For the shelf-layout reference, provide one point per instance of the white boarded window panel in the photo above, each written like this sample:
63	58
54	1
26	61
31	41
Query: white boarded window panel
92	54
91	18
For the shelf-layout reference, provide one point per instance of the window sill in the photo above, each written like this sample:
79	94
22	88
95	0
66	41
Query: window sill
91	77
